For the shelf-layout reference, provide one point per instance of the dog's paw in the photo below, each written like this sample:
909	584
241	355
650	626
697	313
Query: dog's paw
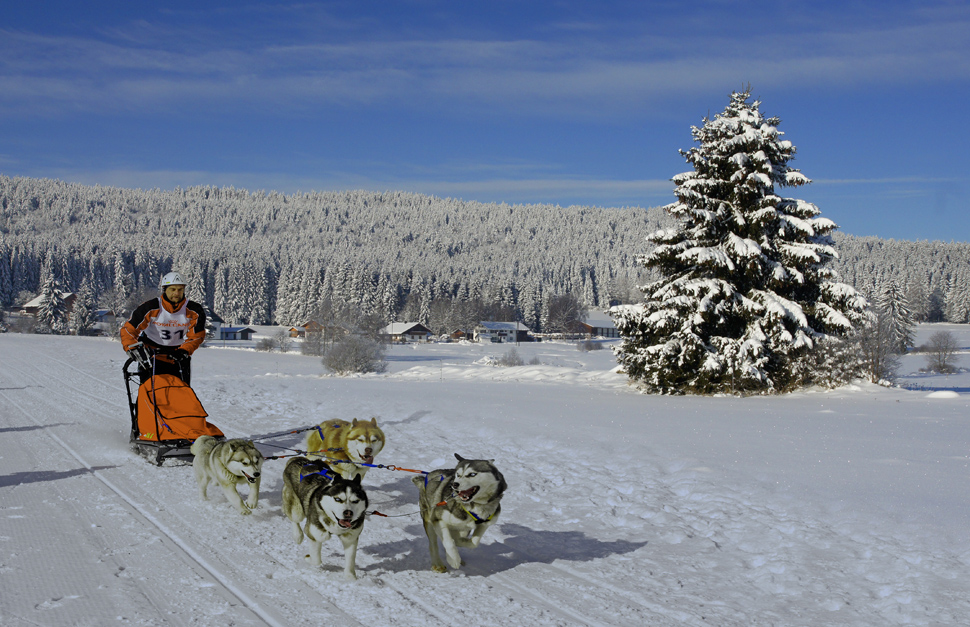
350	575
245	511
252	505
439	568
455	561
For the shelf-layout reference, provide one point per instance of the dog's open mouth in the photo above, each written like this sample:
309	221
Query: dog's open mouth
466	495
249	478
367	459
346	523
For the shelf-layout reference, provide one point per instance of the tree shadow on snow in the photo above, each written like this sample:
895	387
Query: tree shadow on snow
30	428
934	387
38	476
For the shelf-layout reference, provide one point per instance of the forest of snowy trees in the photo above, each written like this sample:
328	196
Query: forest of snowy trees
266	257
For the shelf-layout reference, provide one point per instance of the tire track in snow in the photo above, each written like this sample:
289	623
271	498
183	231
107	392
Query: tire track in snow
415	601
682	618
557	607
58	390
141	512
549	605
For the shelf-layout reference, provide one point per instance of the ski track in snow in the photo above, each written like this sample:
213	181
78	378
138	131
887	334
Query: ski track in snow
592	532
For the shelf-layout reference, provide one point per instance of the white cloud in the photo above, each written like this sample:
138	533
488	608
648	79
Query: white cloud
587	73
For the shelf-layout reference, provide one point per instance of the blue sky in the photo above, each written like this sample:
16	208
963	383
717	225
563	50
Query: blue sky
570	102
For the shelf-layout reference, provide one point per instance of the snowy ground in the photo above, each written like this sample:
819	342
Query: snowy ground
819	508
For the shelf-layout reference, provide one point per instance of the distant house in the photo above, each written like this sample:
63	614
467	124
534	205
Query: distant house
602	325
592	328
236	333
105	321
312	327
489	331
329	331
32	306
407	332
462	334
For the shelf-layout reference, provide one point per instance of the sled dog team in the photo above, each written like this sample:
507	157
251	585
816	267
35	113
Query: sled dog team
323	496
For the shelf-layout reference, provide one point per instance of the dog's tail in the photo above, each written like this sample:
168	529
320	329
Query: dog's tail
202	444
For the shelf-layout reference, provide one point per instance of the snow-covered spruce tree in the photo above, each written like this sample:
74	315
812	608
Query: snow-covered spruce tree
744	295
52	313
899	319
82	318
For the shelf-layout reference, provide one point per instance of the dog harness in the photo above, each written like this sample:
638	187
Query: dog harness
478	519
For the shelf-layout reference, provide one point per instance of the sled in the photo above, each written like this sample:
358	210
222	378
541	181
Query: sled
166	416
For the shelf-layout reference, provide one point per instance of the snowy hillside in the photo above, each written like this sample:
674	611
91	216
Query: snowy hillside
819	508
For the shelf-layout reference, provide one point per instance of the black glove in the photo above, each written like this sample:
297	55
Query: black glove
141	354
180	354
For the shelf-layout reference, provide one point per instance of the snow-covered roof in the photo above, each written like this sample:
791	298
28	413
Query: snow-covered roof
39	300
400	328
502	326
600	320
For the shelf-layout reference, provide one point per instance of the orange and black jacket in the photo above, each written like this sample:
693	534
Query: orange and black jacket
165	327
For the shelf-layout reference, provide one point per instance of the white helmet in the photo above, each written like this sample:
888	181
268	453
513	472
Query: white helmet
172	278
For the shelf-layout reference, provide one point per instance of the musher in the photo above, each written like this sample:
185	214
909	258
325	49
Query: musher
170	327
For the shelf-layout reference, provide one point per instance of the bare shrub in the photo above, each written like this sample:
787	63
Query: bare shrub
313	344
282	340
265	344
940	352
511	358
877	345
355	354
589	345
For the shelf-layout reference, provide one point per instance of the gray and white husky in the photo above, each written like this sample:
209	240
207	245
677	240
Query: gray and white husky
228	463
320	503
458	505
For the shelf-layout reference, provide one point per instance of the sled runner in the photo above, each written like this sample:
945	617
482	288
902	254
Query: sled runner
166	416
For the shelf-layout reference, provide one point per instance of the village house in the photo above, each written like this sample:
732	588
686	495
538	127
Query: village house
330	332
105	321
236	333
489	331
32	306
308	327
593	327
401	332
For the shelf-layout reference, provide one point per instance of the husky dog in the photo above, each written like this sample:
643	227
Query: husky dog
329	504
228	462
346	445
458	506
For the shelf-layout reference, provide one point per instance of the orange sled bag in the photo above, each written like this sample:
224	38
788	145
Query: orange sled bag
168	409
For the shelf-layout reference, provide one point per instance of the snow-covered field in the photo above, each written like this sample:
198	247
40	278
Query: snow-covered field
818	508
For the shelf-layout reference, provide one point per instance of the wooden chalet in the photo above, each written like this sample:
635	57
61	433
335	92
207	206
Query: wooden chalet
401	332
